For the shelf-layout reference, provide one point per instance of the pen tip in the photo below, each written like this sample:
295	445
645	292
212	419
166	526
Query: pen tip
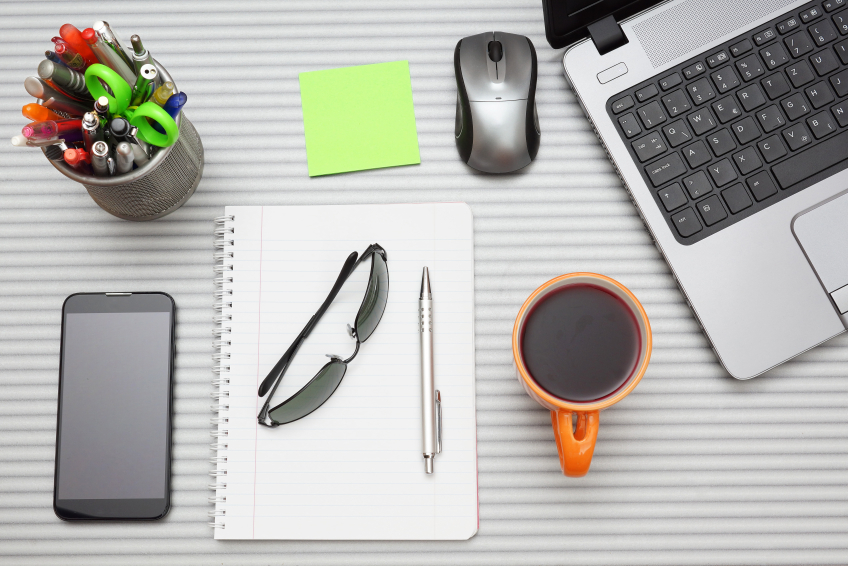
428	465
426	291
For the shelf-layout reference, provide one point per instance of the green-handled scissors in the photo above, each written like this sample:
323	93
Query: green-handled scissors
119	104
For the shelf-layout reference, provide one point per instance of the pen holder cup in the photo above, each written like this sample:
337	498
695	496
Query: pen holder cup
157	188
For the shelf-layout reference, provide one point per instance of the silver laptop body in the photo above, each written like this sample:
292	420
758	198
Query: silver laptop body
769	286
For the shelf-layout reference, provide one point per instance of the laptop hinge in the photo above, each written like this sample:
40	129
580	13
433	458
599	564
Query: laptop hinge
607	35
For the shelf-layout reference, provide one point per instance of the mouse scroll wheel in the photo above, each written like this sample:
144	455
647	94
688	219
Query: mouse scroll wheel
495	51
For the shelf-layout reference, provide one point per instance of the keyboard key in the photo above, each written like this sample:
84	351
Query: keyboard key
795	106
770	118
700	91
821	125
672	197
819	94
697	185
822	32
726	109
686	223
810	15
725	79
814	160
651	114
761	186
746	130
799	74
722	172
670	81
747	160
721	142
622	104
842	51
764	36
740	48
751	97
629	125
839	81
693	71
841	22
697	154
662	171
774	56
644	94
649	146
798	44
824	62
771	148
676	102
788	25
749	67
717	59
711	210
831	5
702	121
736	198
775	85
840	112
677	133
797	136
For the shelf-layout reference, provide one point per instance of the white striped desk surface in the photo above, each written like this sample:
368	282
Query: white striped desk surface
692	468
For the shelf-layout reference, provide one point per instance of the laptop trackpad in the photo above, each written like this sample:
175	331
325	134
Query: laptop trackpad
823	235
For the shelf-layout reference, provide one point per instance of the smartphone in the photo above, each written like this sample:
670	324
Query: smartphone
113	433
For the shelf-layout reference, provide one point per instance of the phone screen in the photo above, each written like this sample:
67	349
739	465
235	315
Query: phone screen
113	437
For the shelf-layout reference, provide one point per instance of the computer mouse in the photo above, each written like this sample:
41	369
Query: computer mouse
497	127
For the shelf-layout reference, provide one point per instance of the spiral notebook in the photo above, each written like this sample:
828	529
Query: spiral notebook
353	469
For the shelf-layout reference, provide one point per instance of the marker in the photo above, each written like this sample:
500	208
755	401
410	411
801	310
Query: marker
50	55
99	156
141	56
140	155
79	159
68	55
67	79
119	129
101	107
38	113
111	40
175	104
107	55
146	75
123	158
92	132
73	37
52	98
163	93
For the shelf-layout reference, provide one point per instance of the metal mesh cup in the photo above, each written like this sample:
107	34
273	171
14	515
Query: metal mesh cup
159	187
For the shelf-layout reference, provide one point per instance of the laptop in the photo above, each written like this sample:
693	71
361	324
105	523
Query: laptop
727	121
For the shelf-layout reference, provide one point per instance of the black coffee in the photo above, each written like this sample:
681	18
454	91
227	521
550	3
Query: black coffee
580	343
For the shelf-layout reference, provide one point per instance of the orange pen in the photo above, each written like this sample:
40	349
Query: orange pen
38	113
73	37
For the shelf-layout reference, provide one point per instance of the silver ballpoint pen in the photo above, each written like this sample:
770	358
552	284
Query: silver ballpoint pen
431	399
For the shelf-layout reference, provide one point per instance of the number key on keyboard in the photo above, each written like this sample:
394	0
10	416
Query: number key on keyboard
725	79
700	91
651	114
798	44
774	56
822	33
676	102
749	67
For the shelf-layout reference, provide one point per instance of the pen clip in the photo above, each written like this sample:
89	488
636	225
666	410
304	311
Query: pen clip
438	422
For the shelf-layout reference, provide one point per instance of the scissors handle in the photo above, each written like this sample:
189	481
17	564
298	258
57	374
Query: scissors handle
121	90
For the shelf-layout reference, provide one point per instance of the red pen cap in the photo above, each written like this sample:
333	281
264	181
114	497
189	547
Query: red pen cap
75	156
72	35
89	36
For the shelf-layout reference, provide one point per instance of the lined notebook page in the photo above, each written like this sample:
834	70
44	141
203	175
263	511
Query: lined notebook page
354	468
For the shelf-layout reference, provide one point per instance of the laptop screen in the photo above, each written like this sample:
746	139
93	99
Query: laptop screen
566	20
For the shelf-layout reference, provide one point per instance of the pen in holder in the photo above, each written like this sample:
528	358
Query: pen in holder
154	189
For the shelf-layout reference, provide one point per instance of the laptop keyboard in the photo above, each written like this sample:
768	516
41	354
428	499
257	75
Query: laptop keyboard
729	133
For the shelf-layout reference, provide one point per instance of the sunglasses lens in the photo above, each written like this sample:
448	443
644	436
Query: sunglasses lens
312	396
376	296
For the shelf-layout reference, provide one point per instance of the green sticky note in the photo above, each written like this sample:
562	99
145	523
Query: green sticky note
358	118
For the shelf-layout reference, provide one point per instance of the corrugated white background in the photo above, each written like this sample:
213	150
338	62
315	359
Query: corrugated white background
692	468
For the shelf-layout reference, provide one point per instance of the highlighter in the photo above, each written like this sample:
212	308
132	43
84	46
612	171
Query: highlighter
73	37
38	113
163	93
175	104
66	129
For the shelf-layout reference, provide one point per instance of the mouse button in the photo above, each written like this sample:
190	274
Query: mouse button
515	69
474	65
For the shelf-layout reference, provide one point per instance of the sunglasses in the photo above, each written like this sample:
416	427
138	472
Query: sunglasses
324	384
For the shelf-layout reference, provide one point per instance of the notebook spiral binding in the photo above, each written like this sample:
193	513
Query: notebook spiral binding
223	256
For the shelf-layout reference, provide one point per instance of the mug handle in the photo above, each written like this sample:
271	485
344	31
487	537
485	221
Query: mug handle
575	448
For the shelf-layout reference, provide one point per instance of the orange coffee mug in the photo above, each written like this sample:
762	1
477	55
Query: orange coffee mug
576	441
